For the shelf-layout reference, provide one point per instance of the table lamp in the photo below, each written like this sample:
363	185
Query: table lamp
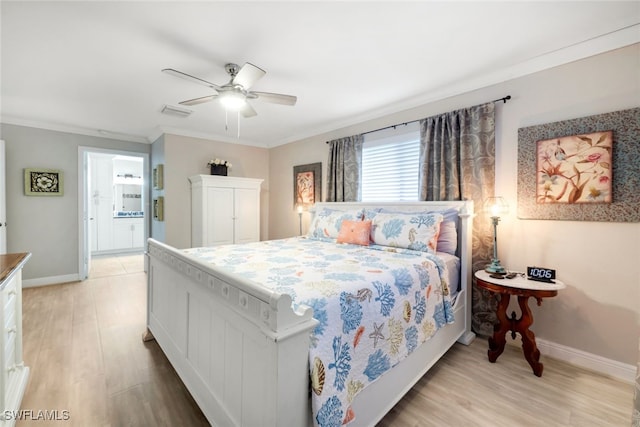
495	206
300	218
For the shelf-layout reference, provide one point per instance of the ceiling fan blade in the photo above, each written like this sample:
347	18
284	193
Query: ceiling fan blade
197	101
247	111
248	75
276	98
189	77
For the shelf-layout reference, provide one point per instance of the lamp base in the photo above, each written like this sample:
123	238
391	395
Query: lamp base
495	267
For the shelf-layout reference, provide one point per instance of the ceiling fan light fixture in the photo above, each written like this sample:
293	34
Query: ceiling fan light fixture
232	100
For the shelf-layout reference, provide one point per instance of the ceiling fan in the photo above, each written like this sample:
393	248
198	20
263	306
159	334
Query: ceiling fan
235	94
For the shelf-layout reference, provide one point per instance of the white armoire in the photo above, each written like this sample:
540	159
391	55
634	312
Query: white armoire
224	210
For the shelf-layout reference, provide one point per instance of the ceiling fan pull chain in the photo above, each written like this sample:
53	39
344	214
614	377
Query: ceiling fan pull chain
238	114
226	120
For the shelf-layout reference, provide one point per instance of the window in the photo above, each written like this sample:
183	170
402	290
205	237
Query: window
390	164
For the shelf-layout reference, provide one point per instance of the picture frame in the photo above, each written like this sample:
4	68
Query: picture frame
43	182
158	177
158	208
625	164
575	169
307	185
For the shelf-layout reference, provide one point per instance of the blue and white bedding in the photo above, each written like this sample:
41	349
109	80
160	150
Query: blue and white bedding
375	306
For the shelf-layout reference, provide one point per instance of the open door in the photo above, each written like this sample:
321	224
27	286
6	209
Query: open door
3	202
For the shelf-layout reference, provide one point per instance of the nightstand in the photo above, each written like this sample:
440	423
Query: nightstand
523	288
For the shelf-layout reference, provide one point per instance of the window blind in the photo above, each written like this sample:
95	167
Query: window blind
390	165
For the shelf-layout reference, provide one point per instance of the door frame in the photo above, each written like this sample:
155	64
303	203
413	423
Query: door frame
84	248
3	199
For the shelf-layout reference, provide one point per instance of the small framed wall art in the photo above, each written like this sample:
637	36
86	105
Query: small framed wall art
158	208
307	185
43	182
158	177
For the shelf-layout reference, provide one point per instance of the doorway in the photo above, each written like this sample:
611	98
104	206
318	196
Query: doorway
113	203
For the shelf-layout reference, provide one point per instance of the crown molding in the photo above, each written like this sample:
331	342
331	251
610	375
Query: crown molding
100	133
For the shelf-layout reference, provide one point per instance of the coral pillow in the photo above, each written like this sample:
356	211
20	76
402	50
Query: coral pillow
355	232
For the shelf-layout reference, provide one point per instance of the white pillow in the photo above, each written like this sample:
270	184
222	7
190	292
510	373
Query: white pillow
417	231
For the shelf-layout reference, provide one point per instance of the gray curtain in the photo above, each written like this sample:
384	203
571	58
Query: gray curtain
343	170
457	162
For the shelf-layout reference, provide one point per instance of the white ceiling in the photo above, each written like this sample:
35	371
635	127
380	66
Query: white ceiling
94	67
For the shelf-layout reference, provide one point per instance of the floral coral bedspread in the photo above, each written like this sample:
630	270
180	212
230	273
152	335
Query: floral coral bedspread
375	306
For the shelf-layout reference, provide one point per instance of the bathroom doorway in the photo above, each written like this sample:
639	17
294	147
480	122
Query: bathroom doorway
114	203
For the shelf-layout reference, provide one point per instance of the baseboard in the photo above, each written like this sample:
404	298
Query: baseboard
51	280
618	370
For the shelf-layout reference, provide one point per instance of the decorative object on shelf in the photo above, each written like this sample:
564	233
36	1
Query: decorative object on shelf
575	169
158	177
307	185
43	182
219	167
495	206
623	168
158	208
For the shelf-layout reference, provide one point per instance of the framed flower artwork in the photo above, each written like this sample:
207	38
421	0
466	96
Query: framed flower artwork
575	169
582	169
43	182
307	185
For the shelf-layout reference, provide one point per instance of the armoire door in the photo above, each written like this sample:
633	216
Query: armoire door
218	222
247	223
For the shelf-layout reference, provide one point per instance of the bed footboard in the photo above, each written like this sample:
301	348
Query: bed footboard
241	350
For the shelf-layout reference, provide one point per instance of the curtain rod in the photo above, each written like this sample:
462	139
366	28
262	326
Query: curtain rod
503	99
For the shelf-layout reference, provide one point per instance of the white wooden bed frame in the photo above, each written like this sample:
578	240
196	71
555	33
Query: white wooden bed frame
242	351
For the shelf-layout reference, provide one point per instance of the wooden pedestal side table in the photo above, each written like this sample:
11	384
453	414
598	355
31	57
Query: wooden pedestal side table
523	288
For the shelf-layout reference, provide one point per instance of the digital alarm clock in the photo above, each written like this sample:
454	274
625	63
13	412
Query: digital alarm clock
541	274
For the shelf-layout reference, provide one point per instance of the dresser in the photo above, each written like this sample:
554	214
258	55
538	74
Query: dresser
224	210
14	376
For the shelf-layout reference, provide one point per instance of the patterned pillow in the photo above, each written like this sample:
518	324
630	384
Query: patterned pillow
355	232
327	222
417	231
448	235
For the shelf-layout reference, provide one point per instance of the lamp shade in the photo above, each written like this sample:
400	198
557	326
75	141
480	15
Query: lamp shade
496	206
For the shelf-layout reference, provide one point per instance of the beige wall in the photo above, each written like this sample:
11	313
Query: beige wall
598	313
187	156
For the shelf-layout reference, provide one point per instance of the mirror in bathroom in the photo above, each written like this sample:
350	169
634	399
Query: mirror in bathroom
127	197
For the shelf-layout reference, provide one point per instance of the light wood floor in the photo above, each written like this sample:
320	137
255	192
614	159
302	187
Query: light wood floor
83	344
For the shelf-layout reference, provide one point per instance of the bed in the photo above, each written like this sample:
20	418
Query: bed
249	348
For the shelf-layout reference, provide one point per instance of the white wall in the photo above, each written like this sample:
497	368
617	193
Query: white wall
598	313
